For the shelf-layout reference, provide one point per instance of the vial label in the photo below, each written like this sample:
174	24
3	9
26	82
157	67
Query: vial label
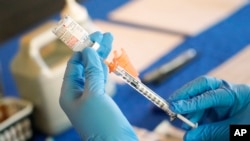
72	34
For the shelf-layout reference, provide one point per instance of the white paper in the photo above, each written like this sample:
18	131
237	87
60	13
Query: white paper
185	16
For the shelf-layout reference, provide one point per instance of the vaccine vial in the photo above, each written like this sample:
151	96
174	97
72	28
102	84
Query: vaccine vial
77	38
73	35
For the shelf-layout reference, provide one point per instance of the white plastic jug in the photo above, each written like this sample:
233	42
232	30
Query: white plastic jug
38	70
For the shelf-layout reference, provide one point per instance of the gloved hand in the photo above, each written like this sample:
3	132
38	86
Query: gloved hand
91	111
214	104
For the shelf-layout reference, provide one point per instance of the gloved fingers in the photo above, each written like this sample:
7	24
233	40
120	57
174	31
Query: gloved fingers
74	67
104	41
94	73
243	93
73	79
96	37
209	132
209	99
196	87
106	45
74	73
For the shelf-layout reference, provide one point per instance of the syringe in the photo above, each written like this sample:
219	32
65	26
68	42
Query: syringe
73	35
150	95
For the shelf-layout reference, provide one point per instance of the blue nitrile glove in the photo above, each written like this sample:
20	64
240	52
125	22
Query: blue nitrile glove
92	112
214	104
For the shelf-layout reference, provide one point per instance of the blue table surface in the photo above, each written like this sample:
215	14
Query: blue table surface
214	46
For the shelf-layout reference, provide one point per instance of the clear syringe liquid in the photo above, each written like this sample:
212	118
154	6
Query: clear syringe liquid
74	36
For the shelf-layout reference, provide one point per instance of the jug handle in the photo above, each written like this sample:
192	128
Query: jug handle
36	44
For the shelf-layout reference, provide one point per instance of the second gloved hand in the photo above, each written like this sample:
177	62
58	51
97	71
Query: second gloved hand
92	112
214	104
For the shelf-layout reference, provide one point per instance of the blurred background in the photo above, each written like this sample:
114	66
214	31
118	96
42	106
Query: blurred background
210	37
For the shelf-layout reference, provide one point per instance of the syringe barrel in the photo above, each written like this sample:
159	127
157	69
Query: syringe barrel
145	91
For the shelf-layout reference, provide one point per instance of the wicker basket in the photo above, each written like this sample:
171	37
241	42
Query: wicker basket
17	125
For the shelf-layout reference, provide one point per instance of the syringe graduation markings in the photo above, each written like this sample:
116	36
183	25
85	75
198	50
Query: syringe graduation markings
152	96
77	39
145	91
